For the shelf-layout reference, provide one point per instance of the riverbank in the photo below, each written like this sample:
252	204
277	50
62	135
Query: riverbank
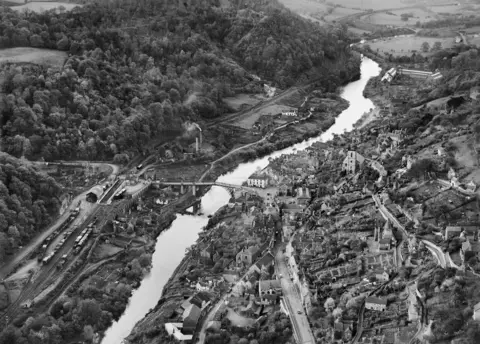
149	327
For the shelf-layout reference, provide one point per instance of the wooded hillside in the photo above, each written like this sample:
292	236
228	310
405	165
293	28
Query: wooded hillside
138	70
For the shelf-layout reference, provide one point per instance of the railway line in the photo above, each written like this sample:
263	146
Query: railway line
50	268
104	198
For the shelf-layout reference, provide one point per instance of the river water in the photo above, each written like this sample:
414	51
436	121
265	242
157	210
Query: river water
172	243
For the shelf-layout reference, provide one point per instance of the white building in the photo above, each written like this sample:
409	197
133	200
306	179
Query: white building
257	180
292	113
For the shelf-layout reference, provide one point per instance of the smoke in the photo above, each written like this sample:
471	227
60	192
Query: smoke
191	126
191	98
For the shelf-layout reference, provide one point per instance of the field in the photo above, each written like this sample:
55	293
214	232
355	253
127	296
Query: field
304	6
44	6
48	57
405	45
373	4
394	17
243	100
340	12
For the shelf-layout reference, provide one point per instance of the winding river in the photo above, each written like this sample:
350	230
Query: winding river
171	244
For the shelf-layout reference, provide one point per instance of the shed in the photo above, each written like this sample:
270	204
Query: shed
94	194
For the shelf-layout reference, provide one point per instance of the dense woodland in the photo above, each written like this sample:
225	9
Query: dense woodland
28	200
132	76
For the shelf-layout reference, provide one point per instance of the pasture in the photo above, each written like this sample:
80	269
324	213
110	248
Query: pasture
406	45
43	6
394	17
339	12
53	58
304	6
370	4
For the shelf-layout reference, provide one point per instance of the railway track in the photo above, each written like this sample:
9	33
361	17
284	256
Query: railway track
47	272
104	198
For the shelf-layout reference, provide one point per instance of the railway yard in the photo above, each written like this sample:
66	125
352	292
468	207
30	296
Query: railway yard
65	255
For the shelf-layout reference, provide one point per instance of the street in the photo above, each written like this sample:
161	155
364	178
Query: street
293	300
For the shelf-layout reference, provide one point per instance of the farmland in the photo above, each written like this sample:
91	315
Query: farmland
53	58
399	46
45	6
394	17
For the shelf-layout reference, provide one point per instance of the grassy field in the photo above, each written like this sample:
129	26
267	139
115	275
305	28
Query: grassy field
44	6
48	57
405	45
304	6
242	100
340	12
394	17
373	4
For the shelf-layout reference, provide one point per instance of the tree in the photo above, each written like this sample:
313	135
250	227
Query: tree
329	304
89	311
437	46
88	332
425	47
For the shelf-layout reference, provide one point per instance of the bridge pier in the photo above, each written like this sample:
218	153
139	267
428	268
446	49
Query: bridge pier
182	189
194	189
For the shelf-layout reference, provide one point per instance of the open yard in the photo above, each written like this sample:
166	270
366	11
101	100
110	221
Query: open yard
45	6
48	57
400	46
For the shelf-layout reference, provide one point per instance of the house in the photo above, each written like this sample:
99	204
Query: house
257	180
292	208
266	261
303	196
284	189
476	312
175	330
248	256
206	254
471	187
201	300
202	286
343	330
269	291
452	231
377	166
382	275
190	319
290	113
352	161
389	75
376	303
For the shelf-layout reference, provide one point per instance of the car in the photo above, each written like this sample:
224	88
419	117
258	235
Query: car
299	312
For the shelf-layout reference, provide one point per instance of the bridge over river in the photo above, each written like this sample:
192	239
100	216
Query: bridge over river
195	186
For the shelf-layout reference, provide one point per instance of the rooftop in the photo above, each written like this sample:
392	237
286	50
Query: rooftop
376	300
270	284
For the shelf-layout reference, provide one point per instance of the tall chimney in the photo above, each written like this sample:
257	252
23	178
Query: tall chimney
196	144
200	138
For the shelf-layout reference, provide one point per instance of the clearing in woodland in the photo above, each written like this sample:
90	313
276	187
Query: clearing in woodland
53	58
45	6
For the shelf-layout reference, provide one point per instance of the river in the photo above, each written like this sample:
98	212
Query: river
171	244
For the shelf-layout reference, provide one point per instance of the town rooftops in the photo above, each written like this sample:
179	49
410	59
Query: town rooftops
192	312
266	260
270	284
376	300
257	176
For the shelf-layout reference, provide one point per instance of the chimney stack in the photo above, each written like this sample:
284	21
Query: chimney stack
196	144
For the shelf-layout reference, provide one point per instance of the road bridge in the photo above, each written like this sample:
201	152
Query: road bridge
195	186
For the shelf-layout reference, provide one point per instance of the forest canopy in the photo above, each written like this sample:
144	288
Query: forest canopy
132	66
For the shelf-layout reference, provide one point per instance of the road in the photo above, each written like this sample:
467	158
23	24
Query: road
294	302
437	253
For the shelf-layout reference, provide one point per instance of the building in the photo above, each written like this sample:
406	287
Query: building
352	161
376	303
303	196
94	194
290	113
248	256
265	262
206	254
377	166
292	208
476	312
257	180
190	319
389	75
382	275
269	291
452	231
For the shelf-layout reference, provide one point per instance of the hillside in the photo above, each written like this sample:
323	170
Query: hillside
28	200
137	71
